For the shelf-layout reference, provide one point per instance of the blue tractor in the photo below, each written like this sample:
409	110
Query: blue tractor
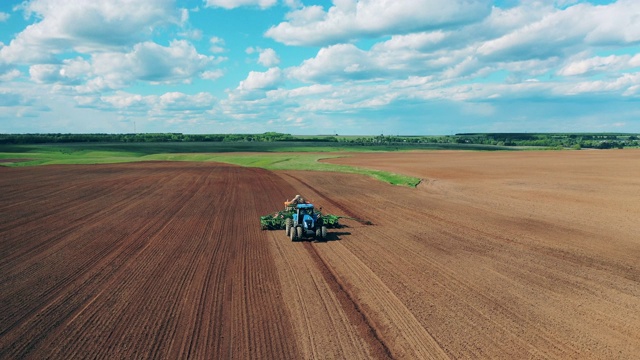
305	224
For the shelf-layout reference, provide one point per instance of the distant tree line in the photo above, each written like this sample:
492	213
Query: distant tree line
148	137
553	140
548	140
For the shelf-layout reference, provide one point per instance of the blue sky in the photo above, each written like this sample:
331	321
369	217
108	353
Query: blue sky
358	67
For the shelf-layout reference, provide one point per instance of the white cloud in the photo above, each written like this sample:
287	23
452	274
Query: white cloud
267	80
45	73
338	62
217	45
166	105
148	61
614	24
306	15
389	60
232	4
124	100
352	19
177	101
4	16
10	75
625	84
86	26
70	72
599	64
177	63
417	41
212	75
268	58
193	34
566	31
293	3
311	90
524	42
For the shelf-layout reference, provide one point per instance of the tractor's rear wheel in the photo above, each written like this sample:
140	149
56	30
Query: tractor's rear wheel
318	234
299	231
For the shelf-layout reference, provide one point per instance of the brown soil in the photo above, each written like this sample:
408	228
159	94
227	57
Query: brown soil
13	160
495	255
154	260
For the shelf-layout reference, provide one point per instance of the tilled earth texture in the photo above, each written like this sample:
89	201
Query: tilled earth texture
495	255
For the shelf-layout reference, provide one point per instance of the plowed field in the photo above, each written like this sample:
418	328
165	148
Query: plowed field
495	255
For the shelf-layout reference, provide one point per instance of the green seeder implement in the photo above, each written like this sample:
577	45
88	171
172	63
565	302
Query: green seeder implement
277	221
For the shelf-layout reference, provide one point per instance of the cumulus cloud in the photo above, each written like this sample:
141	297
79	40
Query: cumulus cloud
148	61
521	43
232	4
339	62
352	19
85	26
3	16
257	80
70	72
563	31
212	75
256	86
614	24
268	58
600	64
10	75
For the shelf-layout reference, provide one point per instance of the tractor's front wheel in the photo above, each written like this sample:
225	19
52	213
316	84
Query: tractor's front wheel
323	231
299	232
293	234
287	226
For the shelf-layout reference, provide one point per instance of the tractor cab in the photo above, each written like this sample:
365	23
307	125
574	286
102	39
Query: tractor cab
304	214
305	209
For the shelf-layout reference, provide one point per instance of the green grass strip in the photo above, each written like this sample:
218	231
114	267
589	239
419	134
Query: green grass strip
85	154
308	162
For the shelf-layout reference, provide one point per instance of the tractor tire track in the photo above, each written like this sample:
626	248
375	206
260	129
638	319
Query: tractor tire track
357	317
395	329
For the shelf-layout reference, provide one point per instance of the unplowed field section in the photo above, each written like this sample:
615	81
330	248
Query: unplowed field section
495	255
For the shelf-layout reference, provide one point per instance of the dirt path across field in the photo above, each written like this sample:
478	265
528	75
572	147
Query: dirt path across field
495	255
